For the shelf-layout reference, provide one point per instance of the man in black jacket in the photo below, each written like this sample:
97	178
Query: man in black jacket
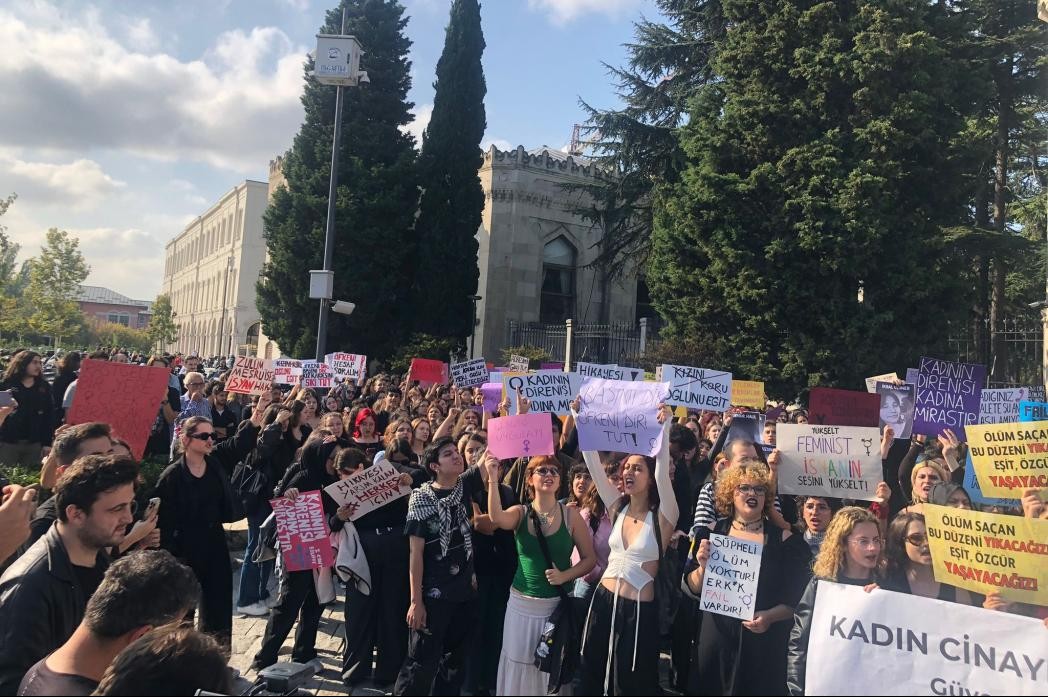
44	593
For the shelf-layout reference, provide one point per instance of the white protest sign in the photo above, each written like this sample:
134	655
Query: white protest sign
729	583
469	373
347	366
316	374
518	364
621	416
1002	406
368	489
286	371
697	388
251	376
608	372
885	643
835	461
871	383
550	391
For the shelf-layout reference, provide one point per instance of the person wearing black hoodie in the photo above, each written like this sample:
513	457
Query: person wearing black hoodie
31	427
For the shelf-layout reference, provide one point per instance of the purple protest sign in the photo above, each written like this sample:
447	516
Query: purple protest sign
621	416
492	392
948	396
551	366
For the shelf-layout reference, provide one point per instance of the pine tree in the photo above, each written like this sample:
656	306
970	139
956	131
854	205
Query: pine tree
452	199
377	197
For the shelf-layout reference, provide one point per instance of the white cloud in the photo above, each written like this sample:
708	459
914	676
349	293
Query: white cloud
562	12
140	34
417	127
300	5
81	184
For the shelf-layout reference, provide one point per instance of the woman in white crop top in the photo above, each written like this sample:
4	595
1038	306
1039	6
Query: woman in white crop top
620	640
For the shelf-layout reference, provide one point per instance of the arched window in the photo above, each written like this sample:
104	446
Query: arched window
558	281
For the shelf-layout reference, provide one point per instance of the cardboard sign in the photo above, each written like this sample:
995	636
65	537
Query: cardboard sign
621	416
347	366
316	374
698	388
518	364
550	391
985	552
1033	411
286	371
885	643
127	397
1010	458
871	383
428	372
525	435
370	488
729	583
302	532
1002	406
253	376
896	410
971	485
911	376
469	373
948	396
608	372
828	406
841	462
492	392
747	393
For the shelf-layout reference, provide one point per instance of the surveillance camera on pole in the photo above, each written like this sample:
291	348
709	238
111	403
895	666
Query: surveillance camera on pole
342	307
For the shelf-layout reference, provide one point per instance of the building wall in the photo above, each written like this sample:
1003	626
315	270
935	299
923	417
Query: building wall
137	319
210	270
268	348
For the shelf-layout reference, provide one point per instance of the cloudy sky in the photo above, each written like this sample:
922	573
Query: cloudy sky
121	121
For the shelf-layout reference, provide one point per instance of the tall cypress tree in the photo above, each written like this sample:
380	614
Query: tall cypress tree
377	196
452	198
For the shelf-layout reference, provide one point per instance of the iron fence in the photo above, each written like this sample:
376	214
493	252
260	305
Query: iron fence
1020	360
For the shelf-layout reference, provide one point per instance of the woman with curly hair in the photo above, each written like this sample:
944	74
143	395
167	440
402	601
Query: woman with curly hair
849	554
737	657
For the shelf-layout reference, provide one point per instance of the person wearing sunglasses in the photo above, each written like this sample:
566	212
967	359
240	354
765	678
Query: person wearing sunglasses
908	562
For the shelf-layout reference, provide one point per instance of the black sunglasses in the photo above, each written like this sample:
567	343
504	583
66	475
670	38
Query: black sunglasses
205	436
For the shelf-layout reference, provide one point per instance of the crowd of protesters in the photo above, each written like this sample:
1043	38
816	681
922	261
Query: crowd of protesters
107	592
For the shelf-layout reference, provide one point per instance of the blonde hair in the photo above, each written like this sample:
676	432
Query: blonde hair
944	476
189	378
748	470
831	559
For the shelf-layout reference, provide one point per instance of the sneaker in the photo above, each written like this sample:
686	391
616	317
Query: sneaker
253	610
271	602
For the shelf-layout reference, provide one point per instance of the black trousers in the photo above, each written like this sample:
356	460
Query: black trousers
685	635
378	620
435	664
208	557
486	643
626	678
298	592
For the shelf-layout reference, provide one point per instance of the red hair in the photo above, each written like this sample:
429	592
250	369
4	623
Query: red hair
361	416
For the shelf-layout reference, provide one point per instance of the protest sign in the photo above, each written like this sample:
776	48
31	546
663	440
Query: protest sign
971	485
518	364
1010	458
698	388
525	435
608	372
948	396
911	376
492	392
985	552
316	374
838	461
896	409
621	416
828	406
347	366
729	583
1033	411
747	425
302	532
469	373
127	397
885	643
286	371
251	376
551	366
1001	406
550	391
428	372
368	489
747	393
871	383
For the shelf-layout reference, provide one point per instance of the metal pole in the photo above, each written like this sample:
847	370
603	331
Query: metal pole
329	231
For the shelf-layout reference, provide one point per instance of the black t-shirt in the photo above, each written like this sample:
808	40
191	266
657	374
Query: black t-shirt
449	577
89	578
227	420
41	680
494	554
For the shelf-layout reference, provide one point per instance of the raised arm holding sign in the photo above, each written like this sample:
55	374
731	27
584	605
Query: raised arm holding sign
621	416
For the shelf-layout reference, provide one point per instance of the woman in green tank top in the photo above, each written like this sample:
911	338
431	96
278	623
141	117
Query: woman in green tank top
534	594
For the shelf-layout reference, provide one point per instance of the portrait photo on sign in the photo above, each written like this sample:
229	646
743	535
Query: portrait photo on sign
897	402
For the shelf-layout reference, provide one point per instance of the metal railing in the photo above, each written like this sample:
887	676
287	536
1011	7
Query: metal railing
1023	360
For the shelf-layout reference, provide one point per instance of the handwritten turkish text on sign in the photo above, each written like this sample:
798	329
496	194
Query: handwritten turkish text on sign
302	532
1009	458
698	388
525	435
948	396
518	364
608	372
747	393
286	371
347	366
549	391
251	376
985	552
871	383
428	371
368	489
835	461
729	583
885	643
1001	406
621	416
316	374
127	397
469	373
832	407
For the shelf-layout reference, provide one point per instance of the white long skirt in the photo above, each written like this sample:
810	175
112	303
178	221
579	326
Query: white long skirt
525	617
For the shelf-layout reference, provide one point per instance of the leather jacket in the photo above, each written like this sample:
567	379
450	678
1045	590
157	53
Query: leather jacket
797	653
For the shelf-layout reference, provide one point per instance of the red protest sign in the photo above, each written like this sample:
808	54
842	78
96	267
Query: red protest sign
127	397
250	376
302	532
832	407
428	372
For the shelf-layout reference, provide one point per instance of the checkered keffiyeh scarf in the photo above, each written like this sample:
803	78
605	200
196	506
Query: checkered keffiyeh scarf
424	504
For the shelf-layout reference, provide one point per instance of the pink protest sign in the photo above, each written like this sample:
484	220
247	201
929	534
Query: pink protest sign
250	376
302	532
492	392
517	436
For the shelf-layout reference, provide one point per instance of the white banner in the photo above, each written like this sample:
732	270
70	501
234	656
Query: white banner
885	643
608	372
729	584
1002	406
316	374
469	373
839	461
550	391
347	366
518	364
697	388
371	488
286	371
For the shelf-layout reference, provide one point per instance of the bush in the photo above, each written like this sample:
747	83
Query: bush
424	346
534	354
150	469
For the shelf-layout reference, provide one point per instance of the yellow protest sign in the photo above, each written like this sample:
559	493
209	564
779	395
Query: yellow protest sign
747	393
680	412
1009	458
985	552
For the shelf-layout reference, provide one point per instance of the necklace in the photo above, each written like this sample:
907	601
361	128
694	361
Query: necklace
545	519
743	525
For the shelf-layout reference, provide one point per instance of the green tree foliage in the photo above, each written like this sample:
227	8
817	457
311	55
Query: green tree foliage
8	250
376	202
818	165
452	199
55	276
162	329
